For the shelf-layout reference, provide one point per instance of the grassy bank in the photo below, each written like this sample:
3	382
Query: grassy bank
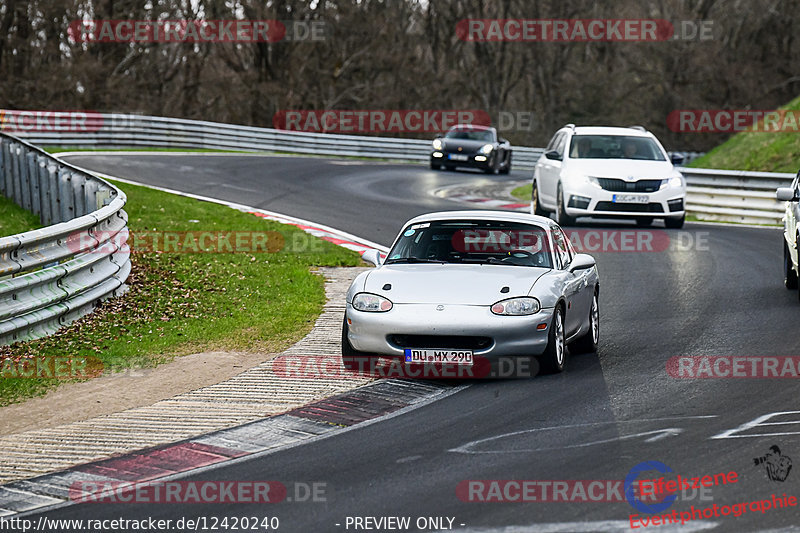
523	193
14	219
182	303
762	151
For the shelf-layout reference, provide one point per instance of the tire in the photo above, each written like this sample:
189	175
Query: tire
644	222
449	167
674	222
507	168
588	342
536	206
554	358
789	273
492	165
352	359
435	166
562	217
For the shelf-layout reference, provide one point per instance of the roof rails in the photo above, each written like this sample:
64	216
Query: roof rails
570	126
640	128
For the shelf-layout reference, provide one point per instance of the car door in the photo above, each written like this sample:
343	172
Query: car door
548	170
574	284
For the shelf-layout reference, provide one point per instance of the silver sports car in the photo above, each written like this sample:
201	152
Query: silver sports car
461	285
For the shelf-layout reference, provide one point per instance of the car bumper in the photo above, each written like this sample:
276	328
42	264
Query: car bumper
483	161
414	325
669	202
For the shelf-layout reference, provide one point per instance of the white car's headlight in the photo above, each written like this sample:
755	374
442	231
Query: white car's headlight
371	303
524	305
437	144
487	148
674	181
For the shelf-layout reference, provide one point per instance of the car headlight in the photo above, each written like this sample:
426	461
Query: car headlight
437	144
487	148
517	306
371	303
674	181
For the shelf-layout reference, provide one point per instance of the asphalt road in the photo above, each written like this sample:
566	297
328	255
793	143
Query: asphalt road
714	291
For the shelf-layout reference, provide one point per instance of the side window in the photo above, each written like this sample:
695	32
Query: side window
562	248
552	144
561	144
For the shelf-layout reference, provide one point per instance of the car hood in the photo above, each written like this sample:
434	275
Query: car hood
453	284
621	168
465	144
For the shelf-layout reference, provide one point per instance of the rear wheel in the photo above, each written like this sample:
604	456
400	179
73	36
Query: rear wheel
789	273
644	221
562	217
536	206
588	342
674	222
352	359
554	358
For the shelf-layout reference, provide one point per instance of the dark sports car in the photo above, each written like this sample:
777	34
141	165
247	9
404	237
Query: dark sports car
466	145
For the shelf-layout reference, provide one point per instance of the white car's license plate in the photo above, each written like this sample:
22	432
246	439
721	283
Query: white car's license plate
458	357
630	198
457	157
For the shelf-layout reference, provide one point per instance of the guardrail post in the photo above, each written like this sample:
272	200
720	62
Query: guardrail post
65	195
16	185
33	185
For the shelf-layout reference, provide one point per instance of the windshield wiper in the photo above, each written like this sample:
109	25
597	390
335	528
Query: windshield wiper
488	261
412	260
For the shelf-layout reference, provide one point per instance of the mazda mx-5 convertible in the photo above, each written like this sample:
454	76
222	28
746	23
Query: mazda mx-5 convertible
458	285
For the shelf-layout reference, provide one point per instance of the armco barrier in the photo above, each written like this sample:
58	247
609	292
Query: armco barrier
53	275
712	194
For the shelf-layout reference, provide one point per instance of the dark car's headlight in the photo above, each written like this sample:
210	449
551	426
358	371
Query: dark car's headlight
487	148
437	144
371	303
524	305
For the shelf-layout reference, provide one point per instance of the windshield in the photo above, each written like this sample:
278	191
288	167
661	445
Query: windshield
615	147
471	241
470	135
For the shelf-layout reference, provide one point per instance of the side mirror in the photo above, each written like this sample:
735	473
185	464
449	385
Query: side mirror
502	141
372	256
553	154
581	262
676	159
786	194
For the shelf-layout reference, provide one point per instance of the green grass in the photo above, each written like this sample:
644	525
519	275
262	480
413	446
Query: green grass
181	303
14	219
757	151
523	193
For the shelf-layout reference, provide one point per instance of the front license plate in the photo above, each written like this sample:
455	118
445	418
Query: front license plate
457	157
630	198
458	357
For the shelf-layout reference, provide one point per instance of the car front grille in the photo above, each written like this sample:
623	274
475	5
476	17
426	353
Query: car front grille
652	207
616	185
461	342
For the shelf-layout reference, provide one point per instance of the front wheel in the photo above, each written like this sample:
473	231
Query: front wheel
435	166
675	222
789	273
588	342
536	206
507	167
554	358
562	217
352	359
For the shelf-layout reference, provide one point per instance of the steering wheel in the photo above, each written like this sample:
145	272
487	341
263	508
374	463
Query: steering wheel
518	253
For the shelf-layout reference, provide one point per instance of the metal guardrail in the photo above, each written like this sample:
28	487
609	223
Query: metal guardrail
735	195
51	276
738	196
